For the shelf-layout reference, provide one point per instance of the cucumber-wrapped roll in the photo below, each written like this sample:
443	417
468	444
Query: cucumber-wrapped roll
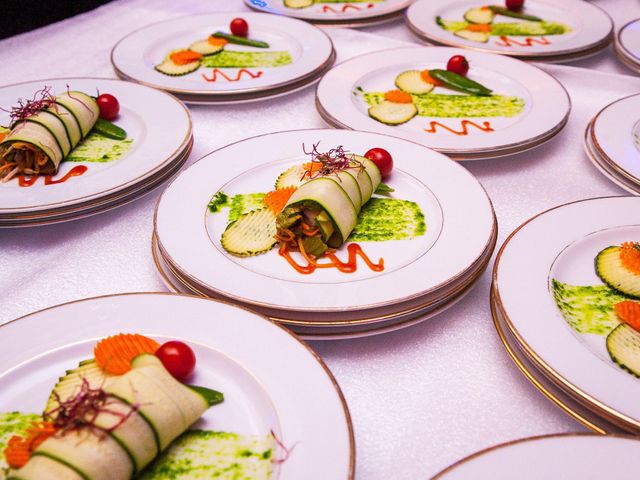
323	211
114	426
45	133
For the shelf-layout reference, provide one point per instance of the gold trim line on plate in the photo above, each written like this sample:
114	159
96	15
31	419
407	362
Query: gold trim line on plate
619	45
591	402
479	453
316	356
173	154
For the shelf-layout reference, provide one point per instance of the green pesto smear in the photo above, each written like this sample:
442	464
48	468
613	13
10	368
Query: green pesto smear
13	423
587	309
457	106
99	149
201	454
237	59
380	219
511	29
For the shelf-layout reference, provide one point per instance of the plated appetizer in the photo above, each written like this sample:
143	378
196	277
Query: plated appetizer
612	309
48	129
481	23
126	413
214	52
296	4
316	207
421	92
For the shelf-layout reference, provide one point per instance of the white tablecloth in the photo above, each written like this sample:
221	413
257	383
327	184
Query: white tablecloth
420	398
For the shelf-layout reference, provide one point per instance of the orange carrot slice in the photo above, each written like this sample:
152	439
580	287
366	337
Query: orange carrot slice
277	199
629	313
479	27
184	56
19	449
630	256
114	354
217	42
424	74
398	96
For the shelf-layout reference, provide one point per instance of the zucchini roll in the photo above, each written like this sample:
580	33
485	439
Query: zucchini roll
38	143
322	213
125	422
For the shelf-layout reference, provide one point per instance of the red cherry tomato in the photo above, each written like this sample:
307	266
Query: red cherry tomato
109	106
514	5
382	159
178	358
239	27
458	64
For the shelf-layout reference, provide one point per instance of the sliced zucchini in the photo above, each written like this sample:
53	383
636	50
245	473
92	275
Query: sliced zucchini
291	177
203	47
69	384
169	68
480	15
411	82
252	234
480	37
623	345
611	271
298	3
83	107
391	113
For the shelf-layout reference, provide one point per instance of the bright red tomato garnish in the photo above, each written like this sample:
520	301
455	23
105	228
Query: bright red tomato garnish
382	159
178	358
458	64
514	5
239	27
109	106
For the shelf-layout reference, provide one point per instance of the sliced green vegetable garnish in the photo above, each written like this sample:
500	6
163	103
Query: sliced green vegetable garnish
110	130
241	40
458	82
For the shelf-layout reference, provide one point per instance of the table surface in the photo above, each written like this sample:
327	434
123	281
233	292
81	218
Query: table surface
420	398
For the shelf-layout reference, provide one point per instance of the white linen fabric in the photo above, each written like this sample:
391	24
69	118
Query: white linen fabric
420	398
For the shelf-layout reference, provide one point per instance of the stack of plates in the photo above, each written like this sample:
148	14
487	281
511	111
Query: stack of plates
612	142
528	108
570	30
568	456
557	316
159	139
296	56
627	45
448	226
338	13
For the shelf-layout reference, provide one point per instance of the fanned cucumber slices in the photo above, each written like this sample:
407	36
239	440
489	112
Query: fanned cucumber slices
391	113
169	68
411	82
611	271
252	234
291	177
623	345
298	3
481	15
203	47
481	37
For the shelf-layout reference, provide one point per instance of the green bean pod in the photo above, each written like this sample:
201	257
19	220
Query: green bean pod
458	82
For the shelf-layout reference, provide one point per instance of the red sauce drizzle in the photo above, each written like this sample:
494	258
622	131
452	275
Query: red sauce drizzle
216	71
464	124
345	8
76	171
528	42
350	266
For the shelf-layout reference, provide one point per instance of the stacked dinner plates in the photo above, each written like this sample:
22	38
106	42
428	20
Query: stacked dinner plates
627	45
612	142
545	30
563	285
101	173
280	56
526	108
338	13
433	234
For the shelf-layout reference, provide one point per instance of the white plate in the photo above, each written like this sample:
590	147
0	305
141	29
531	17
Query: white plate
334	11
452	200
291	392
545	111
571	456
615	133
136	54
590	27
159	125
628	40
562	244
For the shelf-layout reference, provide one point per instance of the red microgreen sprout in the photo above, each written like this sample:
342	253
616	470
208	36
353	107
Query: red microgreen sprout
286	451
327	163
24	109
